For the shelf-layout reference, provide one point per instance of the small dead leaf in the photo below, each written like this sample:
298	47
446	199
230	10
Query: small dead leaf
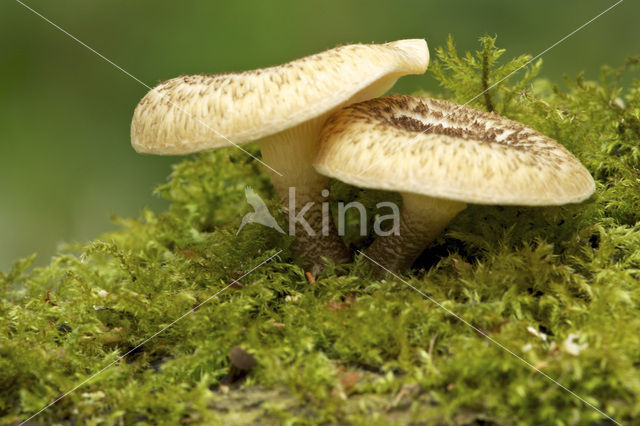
188	253
335	305
242	359
236	284
349	380
461	266
310	278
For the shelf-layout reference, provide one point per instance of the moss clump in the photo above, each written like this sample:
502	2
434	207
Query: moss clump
558	286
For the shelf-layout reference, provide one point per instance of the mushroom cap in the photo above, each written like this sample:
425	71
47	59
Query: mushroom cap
445	150
199	112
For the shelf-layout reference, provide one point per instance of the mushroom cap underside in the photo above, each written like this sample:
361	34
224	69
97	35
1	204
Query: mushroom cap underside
445	150
199	112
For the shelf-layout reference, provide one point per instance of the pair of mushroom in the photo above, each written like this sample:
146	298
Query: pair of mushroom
438	155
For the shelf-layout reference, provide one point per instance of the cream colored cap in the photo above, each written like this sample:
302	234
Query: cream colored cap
444	150
200	112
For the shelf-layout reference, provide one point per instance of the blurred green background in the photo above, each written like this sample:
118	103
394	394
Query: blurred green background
66	164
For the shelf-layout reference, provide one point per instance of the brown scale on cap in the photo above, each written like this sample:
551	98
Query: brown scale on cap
440	156
462	124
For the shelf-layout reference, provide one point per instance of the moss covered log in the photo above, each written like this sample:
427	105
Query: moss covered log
560	287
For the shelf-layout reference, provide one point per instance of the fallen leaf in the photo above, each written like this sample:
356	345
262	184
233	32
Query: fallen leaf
461	266
310	277
236	284
334	305
188	253
349	380
242	359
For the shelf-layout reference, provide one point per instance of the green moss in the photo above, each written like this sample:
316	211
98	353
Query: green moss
512	272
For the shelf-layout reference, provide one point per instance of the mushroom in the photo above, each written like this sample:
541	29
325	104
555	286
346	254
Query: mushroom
440	156
282	108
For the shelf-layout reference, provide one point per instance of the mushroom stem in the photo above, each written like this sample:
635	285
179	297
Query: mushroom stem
300	190
422	218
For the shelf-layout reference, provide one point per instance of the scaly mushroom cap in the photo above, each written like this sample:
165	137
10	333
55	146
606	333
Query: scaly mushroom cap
444	150
200	112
